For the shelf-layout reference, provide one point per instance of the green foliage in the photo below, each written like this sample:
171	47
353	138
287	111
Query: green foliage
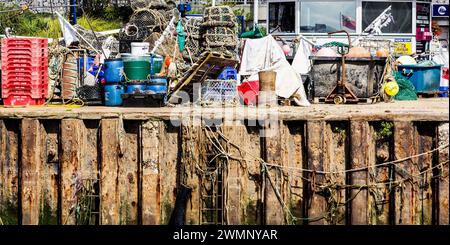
98	24
28	23
384	131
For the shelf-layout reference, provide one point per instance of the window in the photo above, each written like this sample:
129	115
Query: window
282	17
401	13
322	17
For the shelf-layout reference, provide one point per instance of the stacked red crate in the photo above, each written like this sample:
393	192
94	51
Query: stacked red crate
24	71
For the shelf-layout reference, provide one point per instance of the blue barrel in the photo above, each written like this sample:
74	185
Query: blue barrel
157	88
113	94
136	88
113	70
158	80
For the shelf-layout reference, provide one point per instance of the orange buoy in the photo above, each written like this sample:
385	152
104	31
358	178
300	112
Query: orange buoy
382	52
358	52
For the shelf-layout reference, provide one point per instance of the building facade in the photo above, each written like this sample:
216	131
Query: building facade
405	21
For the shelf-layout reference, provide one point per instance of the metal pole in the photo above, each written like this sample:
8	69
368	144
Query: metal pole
213	3
255	14
73	12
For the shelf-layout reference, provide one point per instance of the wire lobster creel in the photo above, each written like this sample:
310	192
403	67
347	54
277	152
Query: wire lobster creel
149	19
220	37
219	16
139	4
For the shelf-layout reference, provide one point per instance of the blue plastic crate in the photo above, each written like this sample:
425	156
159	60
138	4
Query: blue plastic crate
424	78
228	73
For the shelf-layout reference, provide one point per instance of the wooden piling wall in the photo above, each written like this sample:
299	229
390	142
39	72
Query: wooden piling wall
114	171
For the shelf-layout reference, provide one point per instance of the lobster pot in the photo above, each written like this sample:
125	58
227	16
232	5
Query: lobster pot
221	36
219	16
362	75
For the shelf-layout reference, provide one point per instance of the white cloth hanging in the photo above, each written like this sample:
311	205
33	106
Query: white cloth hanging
266	54
301	62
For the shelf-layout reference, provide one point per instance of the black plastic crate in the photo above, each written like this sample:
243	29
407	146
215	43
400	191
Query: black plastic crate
144	100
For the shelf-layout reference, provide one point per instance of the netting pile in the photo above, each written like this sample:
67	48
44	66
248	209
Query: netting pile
193	38
98	43
219	29
149	16
407	91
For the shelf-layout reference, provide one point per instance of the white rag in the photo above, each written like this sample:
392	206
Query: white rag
301	62
266	54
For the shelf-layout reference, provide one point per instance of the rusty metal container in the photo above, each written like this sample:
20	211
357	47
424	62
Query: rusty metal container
363	75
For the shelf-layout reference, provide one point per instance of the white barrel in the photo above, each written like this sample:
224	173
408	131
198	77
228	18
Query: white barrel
140	48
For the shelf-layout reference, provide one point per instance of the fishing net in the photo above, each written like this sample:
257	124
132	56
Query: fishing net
407	91
219	16
150	19
220	37
167	46
193	36
139	4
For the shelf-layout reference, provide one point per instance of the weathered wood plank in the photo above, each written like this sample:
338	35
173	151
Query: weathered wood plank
49	172
379	177
31	165
90	169
406	197
425	138
168	152
71	158
335	160
233	178
9	172
109	189
361	138
443	184
295	147
128	174
150	169
274	210
316	203
191	147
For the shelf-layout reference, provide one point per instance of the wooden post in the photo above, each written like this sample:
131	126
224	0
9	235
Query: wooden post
443	172
150	170
191	148
128	174
109	190
425	141
49	172
71	158
168	153
406	197
233	178
274	210
293	144
31	165
316	204
361	138
9	172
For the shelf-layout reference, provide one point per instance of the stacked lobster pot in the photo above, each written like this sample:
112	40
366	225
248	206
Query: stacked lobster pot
220	30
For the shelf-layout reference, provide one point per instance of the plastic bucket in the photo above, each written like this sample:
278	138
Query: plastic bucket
113	94
113	70
140	48
156	63
136	88
136	67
